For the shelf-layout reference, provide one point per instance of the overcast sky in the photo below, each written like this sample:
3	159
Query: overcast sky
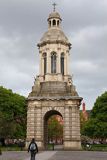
22	24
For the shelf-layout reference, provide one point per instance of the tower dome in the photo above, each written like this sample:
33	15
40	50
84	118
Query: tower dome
54	15
54	33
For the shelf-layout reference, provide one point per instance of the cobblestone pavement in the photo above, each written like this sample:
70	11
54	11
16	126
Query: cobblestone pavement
56	155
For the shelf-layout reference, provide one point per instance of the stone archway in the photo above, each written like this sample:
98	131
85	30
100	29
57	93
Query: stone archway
40	111
47	115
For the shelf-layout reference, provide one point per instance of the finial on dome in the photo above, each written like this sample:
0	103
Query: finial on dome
54	6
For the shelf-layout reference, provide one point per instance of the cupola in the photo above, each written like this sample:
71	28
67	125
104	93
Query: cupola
54	19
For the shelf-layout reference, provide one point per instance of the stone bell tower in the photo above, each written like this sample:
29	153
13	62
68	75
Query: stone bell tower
54	51
53	92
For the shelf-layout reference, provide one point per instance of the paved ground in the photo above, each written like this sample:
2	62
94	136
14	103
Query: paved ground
26	156
14	155
56	155
79	155
44	155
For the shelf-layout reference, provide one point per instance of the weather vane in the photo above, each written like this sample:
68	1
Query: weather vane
54	5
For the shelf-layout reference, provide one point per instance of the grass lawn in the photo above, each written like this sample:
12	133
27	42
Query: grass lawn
95	147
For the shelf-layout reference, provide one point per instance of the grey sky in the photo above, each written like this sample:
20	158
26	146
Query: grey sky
23	22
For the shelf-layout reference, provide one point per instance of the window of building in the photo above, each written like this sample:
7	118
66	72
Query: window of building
54	22
62	63
45	62
53	62
50	23
58	23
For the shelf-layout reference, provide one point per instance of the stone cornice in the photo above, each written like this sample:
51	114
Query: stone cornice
54	42
55	98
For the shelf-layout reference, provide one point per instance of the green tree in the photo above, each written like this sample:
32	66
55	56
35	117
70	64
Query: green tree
12	114
55	129
96	127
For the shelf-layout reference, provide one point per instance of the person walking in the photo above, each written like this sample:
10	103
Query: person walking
33	148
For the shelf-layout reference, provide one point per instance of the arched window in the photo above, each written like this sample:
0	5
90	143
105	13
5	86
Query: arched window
45	62
58	23
53	62
50	23
54	22
62	63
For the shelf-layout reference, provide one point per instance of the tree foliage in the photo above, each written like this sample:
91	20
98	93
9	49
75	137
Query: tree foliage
55	129
12	114
96	127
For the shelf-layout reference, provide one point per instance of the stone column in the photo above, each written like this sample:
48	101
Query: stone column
67	135
76	127
48	63
58	62
65	65
42	65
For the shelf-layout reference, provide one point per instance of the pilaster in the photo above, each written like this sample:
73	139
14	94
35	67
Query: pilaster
66	124
48	62
40	63
58	62
67	63
30	122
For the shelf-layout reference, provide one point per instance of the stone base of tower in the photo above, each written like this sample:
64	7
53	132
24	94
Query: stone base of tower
72	145
40	144
67	145
53	98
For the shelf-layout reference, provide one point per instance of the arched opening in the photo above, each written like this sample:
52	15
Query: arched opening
53	62
58	23
45	62
62	63
53	130
49	23
54	22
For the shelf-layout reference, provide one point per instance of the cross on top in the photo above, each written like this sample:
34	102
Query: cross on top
54	5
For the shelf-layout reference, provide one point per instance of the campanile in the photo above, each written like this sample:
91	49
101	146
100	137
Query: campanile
53	92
